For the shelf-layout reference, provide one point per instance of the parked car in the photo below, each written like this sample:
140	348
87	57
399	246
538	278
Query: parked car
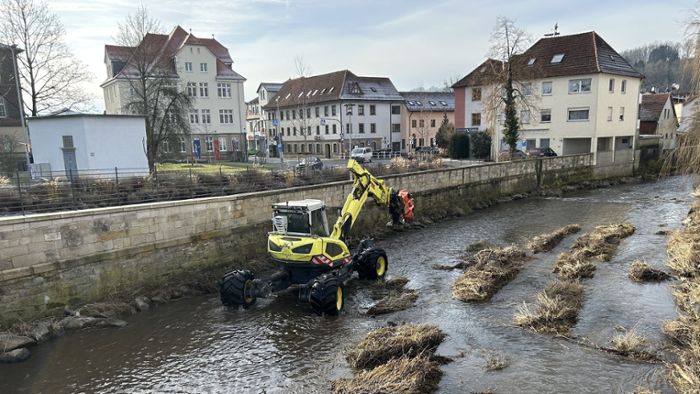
313	163
505	155
361	155
541	152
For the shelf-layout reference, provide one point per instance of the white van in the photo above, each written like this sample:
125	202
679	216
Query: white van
361	155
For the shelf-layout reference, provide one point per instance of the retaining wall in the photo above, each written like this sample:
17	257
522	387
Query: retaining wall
49	260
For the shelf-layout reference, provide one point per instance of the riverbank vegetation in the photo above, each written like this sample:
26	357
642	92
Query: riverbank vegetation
641	271
555	310
488	271
548	241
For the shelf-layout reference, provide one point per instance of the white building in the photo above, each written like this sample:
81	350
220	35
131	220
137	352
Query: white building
203	68
80	143
585	98
328	114
657	116
260	125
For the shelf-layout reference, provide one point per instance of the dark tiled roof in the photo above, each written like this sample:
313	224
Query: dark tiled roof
271	87
482	75
163	48
333	86
584	53
429	101
651	106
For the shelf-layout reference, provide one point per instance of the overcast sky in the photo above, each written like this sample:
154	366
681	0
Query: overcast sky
415	43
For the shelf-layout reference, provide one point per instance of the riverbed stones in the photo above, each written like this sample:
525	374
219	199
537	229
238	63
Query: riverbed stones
106	309
15	356
142	303
10	342
111	322
74	323
41	331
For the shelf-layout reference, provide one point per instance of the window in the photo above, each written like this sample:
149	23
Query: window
531	61
224	89
294	114
545	116
203	89
525	117
361	128
183	145
611	85
206	116
421	123
578	114
396	127
610	111
334	129
222	144
194	116
556	59
318	130
225	116
287	115
527	89
395	110
347	128
294	130
547	88
622	113
325	110
317	111
203	67
414	123
301	113
289	132
3	110
579	85
67	141
623	86
432	103
372	127
476	119
308	113
432	122
188	66
192	89
360	110
281	115
209	142
333	112
372	109
476	94
327	129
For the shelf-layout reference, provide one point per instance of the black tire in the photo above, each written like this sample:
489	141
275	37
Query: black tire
324	296
374	265
235	287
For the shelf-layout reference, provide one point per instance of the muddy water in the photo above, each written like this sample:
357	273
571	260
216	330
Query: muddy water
195	345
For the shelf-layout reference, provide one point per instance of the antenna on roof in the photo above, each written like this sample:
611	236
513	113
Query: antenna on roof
212	35
555	32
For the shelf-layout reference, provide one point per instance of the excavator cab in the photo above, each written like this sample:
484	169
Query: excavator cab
305	217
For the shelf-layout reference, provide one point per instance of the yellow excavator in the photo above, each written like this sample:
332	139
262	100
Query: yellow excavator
314	261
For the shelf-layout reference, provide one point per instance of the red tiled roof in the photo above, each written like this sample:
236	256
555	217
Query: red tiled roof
482	75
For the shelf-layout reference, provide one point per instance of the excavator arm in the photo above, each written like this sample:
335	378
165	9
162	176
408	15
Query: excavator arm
366	185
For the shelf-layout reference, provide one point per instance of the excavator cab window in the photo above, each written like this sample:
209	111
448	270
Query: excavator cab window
297	221
319	225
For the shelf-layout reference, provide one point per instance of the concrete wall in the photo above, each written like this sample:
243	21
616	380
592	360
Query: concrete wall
48	260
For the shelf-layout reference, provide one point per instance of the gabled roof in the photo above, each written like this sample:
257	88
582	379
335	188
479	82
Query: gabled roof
578	54
481	75
429	101
271	87
163	49
333	86
651	106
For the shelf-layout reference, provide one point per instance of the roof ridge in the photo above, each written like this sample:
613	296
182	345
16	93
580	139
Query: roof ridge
595	52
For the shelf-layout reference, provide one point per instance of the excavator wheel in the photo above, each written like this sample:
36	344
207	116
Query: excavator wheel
327	296
236	288
374	265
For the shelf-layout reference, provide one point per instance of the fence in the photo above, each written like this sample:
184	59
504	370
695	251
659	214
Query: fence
49	191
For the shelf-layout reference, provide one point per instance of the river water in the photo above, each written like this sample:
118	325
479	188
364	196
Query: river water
196	346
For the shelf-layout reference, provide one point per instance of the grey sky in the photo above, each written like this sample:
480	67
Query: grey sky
415	43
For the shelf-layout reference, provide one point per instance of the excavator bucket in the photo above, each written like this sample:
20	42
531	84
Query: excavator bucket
401	206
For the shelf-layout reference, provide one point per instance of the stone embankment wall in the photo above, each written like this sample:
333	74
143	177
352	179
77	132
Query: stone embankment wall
49	260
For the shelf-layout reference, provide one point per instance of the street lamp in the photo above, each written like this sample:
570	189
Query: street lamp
348	112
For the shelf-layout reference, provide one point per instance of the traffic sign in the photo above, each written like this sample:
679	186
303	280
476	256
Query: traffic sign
275	122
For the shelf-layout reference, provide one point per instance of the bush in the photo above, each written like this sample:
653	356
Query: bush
459	146
481	145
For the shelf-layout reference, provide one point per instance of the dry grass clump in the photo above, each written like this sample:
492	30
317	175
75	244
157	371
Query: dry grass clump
489	271
641	271
393	302
387	343
546	242
555	310
628	343
598	244
684	252
407	375
495	361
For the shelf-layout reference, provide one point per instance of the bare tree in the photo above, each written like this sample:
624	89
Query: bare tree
51	76
153	83
509	90
303	71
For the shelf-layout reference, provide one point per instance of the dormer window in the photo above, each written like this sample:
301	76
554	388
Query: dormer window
444	103
531	61
300	94
432	103
418	103
556	59
355	89
331	89
323	90
411	103
373	89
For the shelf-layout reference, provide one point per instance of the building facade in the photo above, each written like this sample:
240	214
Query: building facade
260	125
583	97
327	115
657	117
13	138
423	116
202	67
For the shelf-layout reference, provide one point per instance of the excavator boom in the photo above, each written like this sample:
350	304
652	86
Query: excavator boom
366	185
